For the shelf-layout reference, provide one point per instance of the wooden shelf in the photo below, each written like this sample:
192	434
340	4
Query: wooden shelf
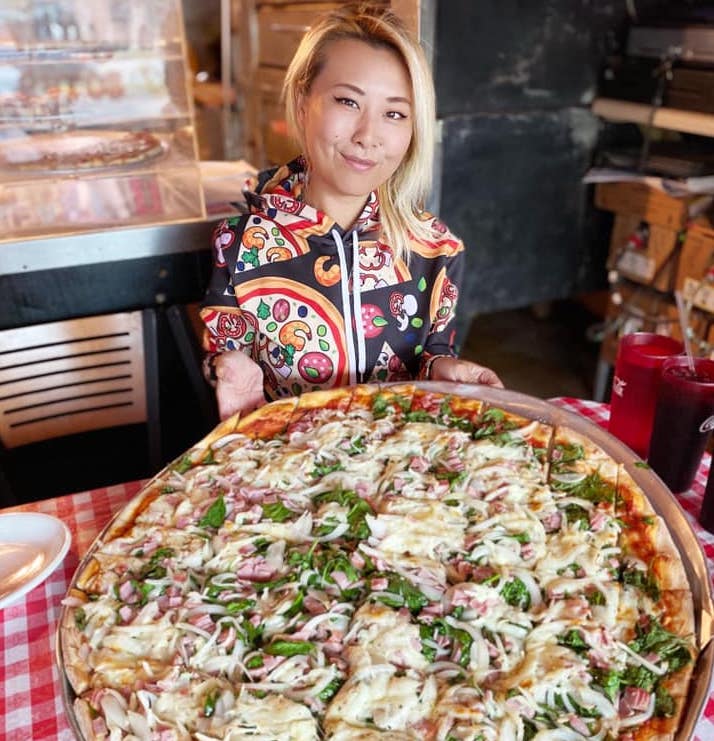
622	111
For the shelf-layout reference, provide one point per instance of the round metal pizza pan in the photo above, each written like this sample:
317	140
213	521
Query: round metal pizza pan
663	501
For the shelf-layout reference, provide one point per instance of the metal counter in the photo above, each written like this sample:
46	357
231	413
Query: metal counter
51	278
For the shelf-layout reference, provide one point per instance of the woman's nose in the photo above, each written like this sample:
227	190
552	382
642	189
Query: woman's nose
367	132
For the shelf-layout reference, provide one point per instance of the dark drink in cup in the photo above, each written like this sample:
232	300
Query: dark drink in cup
684	418
634	387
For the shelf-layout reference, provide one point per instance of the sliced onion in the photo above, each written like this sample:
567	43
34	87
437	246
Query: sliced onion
475	633
584	503
114	708
568	477
654	668
590	697
338	532
218	444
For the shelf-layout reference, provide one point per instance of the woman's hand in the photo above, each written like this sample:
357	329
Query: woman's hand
239	384
463	371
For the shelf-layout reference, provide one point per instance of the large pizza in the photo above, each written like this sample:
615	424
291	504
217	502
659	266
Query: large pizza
383	563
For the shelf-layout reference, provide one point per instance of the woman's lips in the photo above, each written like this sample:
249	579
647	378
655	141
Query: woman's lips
357	163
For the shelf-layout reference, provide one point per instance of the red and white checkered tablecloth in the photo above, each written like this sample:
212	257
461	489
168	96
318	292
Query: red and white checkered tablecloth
31	706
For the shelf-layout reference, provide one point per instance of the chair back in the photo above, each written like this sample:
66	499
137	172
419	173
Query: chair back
73	376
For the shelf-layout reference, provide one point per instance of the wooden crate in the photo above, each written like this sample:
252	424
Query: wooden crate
697	255
654	264
649	204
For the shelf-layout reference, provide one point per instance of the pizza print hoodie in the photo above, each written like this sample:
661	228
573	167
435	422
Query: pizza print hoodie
318	306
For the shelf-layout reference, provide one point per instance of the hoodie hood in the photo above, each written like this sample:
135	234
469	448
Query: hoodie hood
278	192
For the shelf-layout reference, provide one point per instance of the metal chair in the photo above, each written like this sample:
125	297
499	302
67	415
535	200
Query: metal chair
78	375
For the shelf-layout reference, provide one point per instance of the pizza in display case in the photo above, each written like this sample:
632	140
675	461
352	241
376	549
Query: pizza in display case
412	561
79	150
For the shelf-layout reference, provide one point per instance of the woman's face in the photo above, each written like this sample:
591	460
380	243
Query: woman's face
357	121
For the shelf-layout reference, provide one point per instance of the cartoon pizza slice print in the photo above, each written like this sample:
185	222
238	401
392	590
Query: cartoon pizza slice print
443	302
264	241
230	328
389	366
301	343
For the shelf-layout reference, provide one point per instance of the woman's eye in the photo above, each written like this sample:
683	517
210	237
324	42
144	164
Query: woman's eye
346	101
396	115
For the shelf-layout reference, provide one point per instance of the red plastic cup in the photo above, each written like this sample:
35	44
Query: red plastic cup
634	387
684	418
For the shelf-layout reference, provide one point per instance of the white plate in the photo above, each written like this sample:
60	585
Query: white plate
32	546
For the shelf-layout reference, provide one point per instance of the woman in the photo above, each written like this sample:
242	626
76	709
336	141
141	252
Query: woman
336	276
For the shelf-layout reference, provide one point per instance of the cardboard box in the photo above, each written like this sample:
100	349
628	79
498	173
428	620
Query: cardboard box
638	199
697	255
653	264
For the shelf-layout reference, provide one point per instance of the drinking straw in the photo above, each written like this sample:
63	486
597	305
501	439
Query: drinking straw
685	328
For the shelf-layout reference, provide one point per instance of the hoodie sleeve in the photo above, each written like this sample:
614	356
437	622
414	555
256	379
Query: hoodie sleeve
441	339
220	312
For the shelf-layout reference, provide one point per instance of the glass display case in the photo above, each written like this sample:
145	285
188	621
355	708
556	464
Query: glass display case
96	117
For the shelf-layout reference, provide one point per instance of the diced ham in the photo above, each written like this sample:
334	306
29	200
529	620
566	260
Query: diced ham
256	569
202	621
420	464
598	660
313	605
633	700
579	725
454	463
126	613
597	520
552	522
126	591
435	609
357	560
341	579
379	584
333	647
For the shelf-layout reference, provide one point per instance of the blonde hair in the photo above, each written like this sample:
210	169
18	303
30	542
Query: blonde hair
402	197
